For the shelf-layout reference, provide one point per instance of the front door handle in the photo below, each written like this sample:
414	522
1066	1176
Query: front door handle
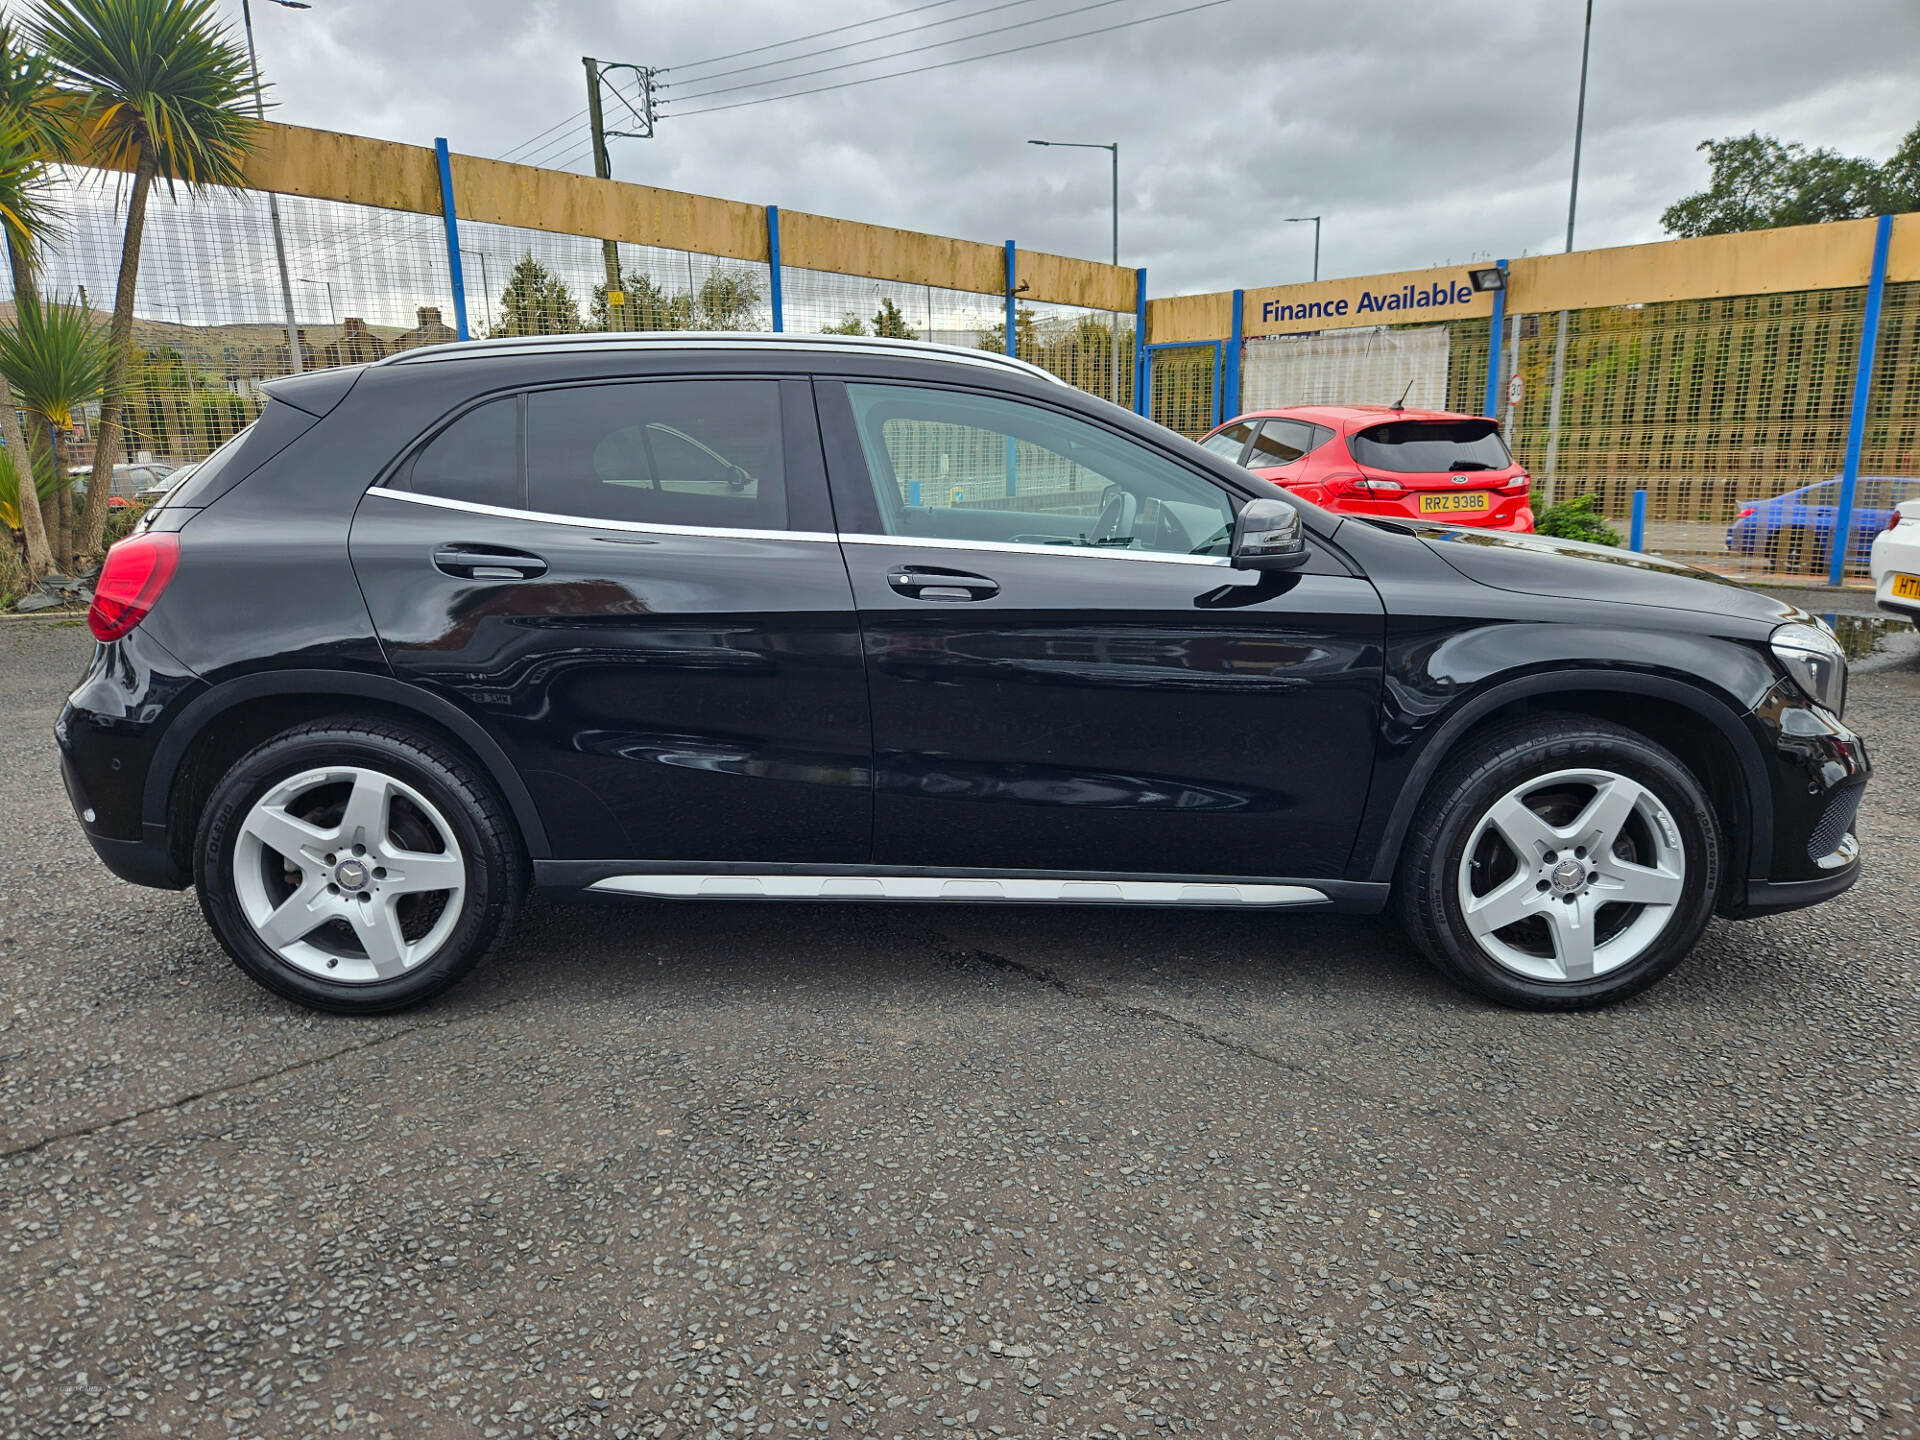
921	582
487	562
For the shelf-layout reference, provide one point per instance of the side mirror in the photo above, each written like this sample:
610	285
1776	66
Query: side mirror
1267	536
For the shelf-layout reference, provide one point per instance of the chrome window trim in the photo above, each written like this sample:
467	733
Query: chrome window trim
714	532
1008	547
1001	889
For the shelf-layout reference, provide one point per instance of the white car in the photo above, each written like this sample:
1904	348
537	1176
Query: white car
1895	563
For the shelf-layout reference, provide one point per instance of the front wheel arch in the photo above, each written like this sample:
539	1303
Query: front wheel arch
1722	754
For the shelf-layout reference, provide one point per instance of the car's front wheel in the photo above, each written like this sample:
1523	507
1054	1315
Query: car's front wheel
1561	863
356	867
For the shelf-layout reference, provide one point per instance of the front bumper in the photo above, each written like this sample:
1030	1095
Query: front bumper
1817	775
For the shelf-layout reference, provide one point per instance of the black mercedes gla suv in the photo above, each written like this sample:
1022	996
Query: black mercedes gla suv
798	618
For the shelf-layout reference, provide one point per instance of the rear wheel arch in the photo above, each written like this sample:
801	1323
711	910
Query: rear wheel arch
223	724
1720	754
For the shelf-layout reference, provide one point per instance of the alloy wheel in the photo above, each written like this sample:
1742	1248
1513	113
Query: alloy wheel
1571	875
349	874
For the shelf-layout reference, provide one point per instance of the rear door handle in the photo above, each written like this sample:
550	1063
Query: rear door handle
487	562
924	583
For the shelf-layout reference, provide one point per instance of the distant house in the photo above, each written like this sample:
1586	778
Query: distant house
357	344
431	330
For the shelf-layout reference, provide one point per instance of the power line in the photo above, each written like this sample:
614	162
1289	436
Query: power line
797	39
851	44
946	64
571	119
899	54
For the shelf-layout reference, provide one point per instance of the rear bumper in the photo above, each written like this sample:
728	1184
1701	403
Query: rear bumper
145	860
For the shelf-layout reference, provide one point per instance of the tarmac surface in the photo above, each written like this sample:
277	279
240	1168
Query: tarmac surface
681	1170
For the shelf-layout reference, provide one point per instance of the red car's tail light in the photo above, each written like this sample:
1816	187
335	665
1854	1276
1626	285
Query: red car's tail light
1348	486
1517	485
137	570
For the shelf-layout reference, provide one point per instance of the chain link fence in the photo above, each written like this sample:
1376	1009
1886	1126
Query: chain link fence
1731	414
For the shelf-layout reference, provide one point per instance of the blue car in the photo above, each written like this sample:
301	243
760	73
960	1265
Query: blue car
1794	531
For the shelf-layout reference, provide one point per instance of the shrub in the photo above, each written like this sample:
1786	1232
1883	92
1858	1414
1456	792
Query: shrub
1576	519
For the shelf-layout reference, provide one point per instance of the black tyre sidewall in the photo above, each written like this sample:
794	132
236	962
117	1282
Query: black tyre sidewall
468	807
1432	896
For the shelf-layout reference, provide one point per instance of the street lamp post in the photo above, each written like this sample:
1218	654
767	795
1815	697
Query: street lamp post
333	315
273	204
1114	150
1301	220
1573	199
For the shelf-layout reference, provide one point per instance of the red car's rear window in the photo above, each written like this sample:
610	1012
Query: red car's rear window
1423	447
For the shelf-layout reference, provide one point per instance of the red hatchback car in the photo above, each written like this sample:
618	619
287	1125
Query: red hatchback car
1374	460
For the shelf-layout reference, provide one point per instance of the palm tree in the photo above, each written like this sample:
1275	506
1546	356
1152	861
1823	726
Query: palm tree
164	92
56	359
35	128
24	221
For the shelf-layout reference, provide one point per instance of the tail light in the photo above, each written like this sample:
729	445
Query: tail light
137	570
1348	486
1517	485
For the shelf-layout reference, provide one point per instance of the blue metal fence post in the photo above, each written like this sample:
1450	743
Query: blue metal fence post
1013	349
1637	536
1140	341
773	268
1229	409
453	238
1492	408
1862	395
1012	314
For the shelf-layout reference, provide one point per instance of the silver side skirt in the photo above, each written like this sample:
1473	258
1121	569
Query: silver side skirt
934	887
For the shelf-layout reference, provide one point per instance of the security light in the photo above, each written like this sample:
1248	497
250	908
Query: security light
1492	278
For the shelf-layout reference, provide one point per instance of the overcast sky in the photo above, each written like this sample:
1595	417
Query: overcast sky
1425	133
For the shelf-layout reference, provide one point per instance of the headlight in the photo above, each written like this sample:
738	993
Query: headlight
1816	662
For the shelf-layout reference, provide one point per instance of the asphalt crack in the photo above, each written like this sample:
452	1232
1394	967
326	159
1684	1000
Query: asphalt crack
214	1092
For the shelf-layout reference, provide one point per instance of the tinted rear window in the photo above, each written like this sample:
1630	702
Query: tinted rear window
662	452
476	458
1423	447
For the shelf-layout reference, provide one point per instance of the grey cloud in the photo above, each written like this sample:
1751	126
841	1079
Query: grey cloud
1423	132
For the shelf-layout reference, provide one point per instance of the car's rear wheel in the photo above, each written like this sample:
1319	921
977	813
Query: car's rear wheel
356	868
1561	863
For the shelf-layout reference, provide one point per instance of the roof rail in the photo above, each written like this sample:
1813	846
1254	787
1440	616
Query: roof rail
704	340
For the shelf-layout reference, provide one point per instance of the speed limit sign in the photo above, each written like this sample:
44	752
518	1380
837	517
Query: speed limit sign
1516	389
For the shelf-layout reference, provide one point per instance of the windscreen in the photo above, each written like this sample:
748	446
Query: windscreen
1418	447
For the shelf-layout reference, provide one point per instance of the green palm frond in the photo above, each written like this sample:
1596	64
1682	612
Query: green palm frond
32	105
55	357
161	78
28	220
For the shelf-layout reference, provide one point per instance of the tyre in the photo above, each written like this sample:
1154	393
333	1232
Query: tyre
356	867
1560	863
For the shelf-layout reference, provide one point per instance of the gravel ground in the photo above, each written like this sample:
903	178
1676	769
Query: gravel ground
691	1170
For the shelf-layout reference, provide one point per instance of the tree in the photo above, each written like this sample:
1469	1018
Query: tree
1756	182
24	221
727	300
164	91
889	322
994	337
850	324
538	302
56	359
34	129
649	306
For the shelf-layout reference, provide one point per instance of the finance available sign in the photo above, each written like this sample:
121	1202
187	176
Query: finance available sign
1422	296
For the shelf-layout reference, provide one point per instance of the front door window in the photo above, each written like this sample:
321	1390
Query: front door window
947	465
